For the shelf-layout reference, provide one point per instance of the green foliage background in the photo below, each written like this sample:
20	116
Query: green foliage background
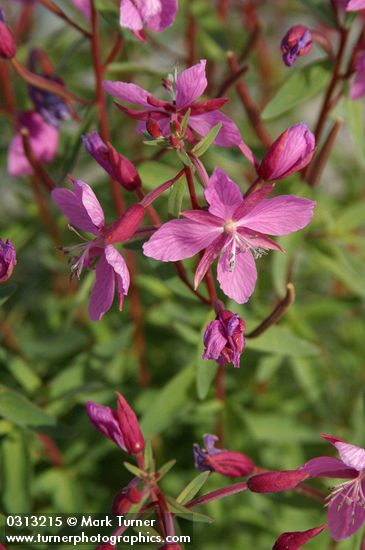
302	377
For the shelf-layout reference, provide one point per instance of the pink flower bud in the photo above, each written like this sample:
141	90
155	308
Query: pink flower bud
129	426
7	260
226	463
275	482
296	539
289	153
223	338
116	165
153	128
7	42
125	227
128	496
297	42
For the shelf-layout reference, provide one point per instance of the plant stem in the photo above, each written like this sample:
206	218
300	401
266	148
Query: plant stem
278	312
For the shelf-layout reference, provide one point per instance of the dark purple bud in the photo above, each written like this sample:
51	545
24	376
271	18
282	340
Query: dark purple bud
7	260
52	108
7	42
296	539
129	427
126	498
223	338
275	482
116	165
153	128
126	226
226	463
297	42
289	153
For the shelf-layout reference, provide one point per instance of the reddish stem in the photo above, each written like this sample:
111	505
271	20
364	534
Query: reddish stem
191	187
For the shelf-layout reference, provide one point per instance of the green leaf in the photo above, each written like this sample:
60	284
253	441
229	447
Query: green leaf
149	461
349	219
15	407
302	85
355	116
321	10
200	148
345	267
192	488
184	122
176	198
167	403
166	468
186	513
282	341
15	474
6	292
133	469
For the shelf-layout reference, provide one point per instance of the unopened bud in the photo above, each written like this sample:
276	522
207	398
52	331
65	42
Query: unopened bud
7	42
125	499
126	226
153	128
275	482
297	42
7	260
129	426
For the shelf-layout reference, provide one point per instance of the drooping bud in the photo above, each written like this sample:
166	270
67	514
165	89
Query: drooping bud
153	128
297	42
226	463
275	482
296	539
223	338
105	421
289	153
7	42
129	426
7	260
125	227
128	496
116	165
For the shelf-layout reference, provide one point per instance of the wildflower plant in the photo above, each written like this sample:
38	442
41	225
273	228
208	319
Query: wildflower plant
193	171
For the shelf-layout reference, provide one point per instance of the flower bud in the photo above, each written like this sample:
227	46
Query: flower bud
116	165
297	42
7	260
226	463
125	499
289	153
125	227
275	482
296	539
153	128
129	426
7	42
223	338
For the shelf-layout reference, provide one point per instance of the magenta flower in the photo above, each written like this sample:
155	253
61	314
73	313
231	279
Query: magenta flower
155	15
355	5
357	90
43	140
7	42
226	463
83	210
289	153
297	42
184	90
121	426
116	165
83	6
223	338
233	228
7	260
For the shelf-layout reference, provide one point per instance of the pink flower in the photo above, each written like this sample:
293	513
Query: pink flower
355	5
155	15
121	426
83	6
289	153
226	463
184	90
7	42
83	211
297	42
358	86
233	228
223	338
43	140
7	260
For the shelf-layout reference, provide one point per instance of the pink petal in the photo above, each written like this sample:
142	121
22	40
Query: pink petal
130	16
296	539
351	455
228	136
203	217
126	91
251	201
257	240
190	84
165	17
102	294
327	466
355	5
83	6
223	195
179	239
346	514
279	216
214	340
239	283
88	199
208	258
117	262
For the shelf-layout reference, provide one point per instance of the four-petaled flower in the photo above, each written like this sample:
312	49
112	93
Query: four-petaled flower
184	89
83	210
233	227
155	15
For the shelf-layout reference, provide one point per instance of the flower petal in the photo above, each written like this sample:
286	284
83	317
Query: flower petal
239	283
130	17
279	216
211	252
179	239
102	294
117	262
214	340
127	91
203	217
355	5
190	84
228	136
164	18
327	466
252	200
352	455
346	511
104	420
223	195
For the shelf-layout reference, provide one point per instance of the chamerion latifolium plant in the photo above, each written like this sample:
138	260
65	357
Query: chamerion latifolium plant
203	163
